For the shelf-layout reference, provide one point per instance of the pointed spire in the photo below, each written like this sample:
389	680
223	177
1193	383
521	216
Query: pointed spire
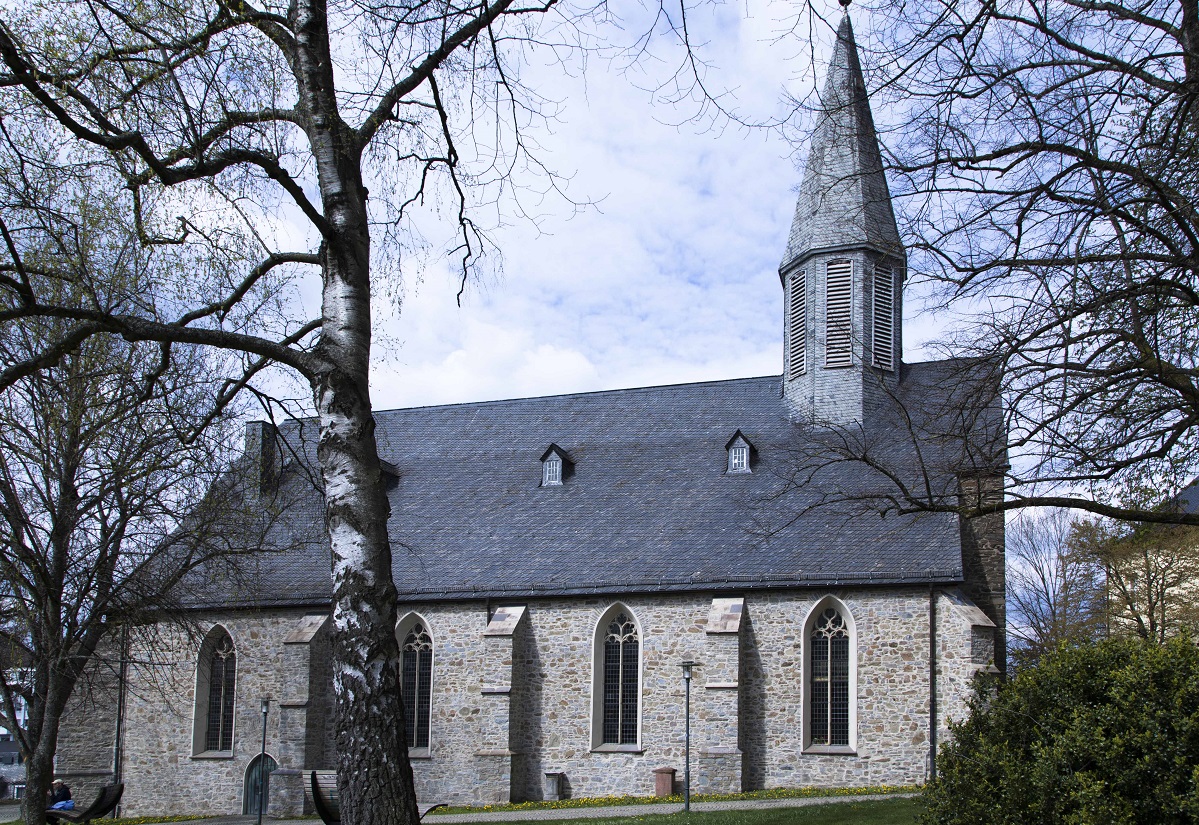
843	202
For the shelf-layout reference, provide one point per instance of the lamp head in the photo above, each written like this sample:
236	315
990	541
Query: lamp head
266	705
687	665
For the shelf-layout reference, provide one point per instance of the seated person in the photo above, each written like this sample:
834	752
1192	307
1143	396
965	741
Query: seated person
60	796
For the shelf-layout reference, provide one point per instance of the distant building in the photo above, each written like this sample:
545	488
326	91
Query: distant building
559	557
12	767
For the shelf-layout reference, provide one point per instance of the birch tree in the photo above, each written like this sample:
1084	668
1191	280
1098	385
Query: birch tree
218	120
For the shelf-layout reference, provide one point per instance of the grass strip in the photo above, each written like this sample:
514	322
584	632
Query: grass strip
609	801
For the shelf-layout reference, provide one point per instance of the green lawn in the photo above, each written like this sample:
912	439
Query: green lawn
865	812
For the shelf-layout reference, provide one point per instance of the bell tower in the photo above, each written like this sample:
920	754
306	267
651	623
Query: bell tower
843	271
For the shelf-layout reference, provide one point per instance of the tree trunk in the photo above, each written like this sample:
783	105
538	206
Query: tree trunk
42	735
374	775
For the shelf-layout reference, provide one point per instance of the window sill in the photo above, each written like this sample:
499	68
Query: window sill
611	748
213	755
420	753
833	750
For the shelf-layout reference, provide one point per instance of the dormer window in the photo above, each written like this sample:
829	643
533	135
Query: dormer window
740	453
555	466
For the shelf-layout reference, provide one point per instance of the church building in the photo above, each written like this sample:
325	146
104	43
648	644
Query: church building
558	559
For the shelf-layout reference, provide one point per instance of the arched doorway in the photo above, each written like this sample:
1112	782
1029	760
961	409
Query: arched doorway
257	786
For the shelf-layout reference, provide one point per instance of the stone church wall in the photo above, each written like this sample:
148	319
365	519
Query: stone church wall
87	734
160	771
514	704
891	748
747	711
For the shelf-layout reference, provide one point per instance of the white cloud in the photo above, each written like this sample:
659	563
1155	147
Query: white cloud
671	278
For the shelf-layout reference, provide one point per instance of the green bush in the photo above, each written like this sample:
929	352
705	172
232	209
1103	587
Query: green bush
1095	734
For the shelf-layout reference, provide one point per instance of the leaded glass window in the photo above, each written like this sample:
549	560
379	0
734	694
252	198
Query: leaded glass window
416	684
222	674
828	688
621	661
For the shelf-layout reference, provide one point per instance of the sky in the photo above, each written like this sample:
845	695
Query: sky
671	277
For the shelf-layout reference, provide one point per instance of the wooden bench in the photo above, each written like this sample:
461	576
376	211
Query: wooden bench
329	809
106	802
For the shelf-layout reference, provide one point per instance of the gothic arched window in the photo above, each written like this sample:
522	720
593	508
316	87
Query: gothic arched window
830	678
416	683
216	679
621	679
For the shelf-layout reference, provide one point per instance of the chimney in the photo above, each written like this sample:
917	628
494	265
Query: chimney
262	457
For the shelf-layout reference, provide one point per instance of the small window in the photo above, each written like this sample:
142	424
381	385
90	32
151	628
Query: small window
739	460
556	467
551	471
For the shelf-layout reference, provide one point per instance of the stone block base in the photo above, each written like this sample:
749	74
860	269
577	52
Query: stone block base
493	777
719	771
285	794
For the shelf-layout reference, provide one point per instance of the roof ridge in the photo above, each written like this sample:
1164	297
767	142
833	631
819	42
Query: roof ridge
646	388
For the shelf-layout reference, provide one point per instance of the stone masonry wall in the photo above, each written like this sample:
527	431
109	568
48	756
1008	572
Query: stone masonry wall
512	706
162	774
746	699
983	562
87	734
891	630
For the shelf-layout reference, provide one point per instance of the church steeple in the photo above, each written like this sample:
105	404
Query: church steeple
844	265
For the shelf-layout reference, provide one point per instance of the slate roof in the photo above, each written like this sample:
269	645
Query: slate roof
843	201
648	507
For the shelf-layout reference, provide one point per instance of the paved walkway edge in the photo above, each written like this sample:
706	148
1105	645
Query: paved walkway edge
648	809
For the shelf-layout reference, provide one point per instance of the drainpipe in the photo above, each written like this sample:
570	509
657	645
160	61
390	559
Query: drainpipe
118	748
932	683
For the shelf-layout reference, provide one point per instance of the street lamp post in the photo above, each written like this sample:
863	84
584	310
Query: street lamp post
266	708
687	665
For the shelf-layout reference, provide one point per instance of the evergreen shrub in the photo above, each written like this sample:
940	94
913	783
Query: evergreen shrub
1095	733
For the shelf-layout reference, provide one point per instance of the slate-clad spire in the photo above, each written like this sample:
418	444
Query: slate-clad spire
843	271
843	201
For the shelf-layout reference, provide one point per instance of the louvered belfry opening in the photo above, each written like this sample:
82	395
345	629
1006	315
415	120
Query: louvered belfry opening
222	676
797	324
883	338
621	657
829	687
416	684
838	315
844	367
